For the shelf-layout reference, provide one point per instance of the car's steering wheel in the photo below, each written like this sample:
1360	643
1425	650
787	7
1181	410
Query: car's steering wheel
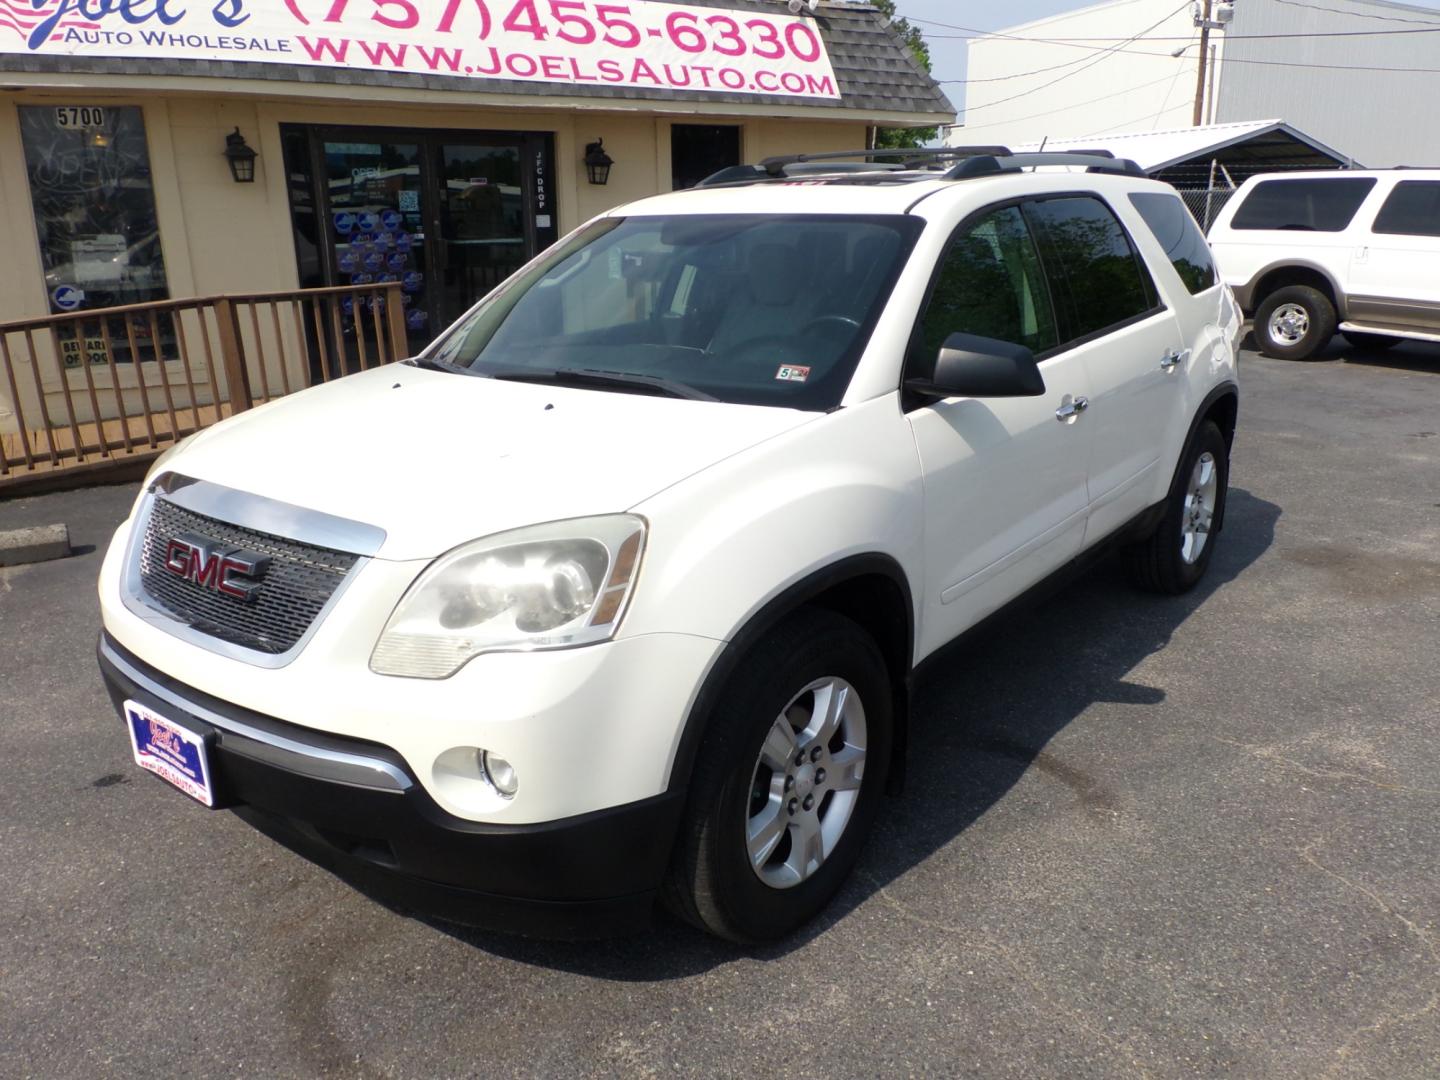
787	348
830	320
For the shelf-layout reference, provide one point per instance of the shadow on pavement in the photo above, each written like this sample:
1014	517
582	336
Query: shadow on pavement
984	712
1421	356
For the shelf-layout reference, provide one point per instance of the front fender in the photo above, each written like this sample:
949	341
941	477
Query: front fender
725	542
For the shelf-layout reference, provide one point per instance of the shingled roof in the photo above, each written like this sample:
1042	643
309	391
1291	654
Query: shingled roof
875	71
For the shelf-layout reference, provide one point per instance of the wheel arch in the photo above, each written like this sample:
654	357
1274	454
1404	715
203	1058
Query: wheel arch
870	589
1221	405
1292	272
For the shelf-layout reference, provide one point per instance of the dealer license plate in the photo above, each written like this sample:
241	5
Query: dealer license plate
172	752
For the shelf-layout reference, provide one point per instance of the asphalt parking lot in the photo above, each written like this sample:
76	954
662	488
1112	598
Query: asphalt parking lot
1141	837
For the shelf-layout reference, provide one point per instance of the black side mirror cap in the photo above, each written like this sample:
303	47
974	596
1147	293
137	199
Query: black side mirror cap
979	367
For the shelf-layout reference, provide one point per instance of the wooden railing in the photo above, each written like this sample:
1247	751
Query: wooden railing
91	390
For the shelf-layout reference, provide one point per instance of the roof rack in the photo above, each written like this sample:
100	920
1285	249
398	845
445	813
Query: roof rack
992	165
776	166
943	163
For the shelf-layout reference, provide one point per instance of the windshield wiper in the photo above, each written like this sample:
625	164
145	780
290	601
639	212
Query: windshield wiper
429	364
609	380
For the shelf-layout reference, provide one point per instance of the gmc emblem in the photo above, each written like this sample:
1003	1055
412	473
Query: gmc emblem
213	566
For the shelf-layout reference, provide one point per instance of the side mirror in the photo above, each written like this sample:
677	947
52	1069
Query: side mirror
981	367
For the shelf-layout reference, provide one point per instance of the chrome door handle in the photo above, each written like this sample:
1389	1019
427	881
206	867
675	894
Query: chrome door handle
1071	409
1173	359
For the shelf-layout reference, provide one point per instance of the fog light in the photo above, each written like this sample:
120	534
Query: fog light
500	773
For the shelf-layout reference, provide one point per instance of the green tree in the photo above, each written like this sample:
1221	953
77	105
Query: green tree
905	138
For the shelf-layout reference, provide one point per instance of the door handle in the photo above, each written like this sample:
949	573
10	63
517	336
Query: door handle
1174	359
1071	409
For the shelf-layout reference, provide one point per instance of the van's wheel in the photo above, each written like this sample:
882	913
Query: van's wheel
1370	341
788	780
1294	323
1177	553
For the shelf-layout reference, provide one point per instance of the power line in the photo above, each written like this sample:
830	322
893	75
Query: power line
1226	60
1104	55
1434	28
1137	120
1066	108
1355	14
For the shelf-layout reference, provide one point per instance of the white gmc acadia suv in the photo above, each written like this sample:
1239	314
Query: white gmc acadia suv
616	591
1309	253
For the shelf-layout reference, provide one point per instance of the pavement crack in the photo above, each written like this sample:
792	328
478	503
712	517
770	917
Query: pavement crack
1427	940
1041	989
1265	753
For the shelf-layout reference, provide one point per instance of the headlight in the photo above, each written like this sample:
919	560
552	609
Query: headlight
545	587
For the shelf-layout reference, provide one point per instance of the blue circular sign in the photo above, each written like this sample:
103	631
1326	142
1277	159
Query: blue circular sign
368	221
413	281
67	297
347	262
361	279
344	223
374	261
398	261
388	278
404	241
417	319
390	220
347	305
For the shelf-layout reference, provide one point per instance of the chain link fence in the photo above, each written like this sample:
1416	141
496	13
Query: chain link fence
1206	203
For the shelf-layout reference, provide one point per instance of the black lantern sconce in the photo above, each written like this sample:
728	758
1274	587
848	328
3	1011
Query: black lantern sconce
597	162
240	157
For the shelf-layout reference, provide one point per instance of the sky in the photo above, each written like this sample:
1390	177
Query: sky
947	54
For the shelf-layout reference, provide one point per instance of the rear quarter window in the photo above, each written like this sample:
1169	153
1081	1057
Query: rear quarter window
1184	243
1312	205
1413	209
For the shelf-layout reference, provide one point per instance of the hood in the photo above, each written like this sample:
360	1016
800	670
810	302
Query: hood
438	459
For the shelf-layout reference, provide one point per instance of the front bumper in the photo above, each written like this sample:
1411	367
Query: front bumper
356	808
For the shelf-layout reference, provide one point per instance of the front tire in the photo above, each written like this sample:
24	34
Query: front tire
1176	555
788	781
1294	323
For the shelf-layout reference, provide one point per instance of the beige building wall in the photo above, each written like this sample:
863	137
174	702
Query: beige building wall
222	237
219	236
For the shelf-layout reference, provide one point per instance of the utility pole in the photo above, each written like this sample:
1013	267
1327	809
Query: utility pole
1204	59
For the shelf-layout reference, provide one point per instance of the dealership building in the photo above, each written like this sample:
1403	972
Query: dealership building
182	148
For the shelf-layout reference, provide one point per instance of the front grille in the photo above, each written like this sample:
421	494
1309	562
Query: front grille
293	588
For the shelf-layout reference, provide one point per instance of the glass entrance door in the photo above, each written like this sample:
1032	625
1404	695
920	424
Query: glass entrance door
481	234
446	214
376	223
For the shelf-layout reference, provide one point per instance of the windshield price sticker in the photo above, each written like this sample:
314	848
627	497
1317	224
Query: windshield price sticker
642	43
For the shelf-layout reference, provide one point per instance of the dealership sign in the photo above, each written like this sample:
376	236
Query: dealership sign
641	43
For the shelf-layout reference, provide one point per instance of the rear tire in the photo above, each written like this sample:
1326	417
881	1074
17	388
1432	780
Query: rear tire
1370	341
1294	323
767	838
1176	555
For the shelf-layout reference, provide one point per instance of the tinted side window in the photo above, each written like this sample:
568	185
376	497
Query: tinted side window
1181	238
1085	245
990	283
1306	205
1413	209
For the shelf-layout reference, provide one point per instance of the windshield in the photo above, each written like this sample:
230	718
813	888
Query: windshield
754	309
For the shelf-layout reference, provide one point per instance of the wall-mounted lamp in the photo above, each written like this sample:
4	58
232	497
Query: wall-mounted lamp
597	162
240	157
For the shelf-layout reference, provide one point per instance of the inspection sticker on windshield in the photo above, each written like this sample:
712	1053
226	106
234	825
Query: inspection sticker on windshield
789	373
